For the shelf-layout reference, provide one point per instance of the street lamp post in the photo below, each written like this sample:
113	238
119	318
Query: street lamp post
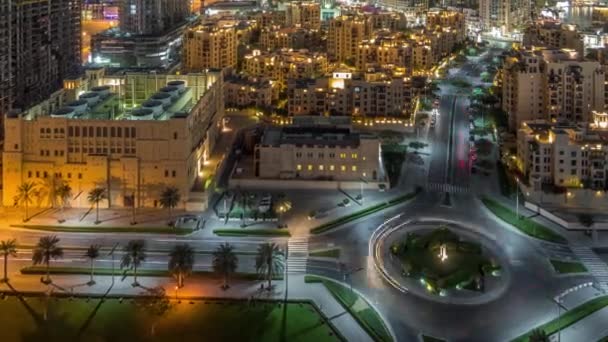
517	199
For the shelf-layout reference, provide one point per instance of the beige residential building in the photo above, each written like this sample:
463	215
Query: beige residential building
322	153
344	35
132	134
209	46
285	64
275	37
554	35
438	20
563	154
551	84
387	51
344	93
246	92
303	14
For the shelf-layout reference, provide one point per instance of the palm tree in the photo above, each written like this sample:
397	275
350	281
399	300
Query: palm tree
181	262
225	261
63	193
135	254
25	196
92	254
269	261
538	335
46	250
169	199
97	195
8	248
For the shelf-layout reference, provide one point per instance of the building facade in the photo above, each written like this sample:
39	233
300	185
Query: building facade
209	46
132	134
152	17
318	153
303	14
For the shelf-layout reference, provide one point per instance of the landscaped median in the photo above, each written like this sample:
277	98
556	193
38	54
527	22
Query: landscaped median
523	224
569	317
252	232
362	213
40	270
102	229
358	307
567	267
326	253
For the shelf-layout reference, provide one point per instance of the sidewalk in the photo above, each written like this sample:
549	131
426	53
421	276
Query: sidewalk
197	287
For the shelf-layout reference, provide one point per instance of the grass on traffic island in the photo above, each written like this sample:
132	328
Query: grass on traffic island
98	229
426	338
568	318
357	306
362	213
565	267
252	232
523	224
465	266
40	270
140	319
326	253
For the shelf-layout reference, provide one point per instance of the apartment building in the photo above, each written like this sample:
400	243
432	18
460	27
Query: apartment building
133	134
321	153
209	46
344	93
344	35
439	19
563	154
551	84
555	35
285	64
303	14
248	92
39	47
385	51
503	16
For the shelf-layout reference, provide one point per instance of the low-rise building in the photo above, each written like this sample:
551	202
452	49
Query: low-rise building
132	134
247	92
563	154
318	153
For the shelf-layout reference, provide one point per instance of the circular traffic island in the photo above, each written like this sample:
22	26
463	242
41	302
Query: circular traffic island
442	261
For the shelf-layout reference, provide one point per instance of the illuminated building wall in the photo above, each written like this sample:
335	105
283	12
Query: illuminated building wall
132	134
209	46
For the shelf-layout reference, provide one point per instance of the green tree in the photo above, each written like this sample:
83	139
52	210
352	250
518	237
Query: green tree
95	196
169	199
181	262
135	254
92	254
26	193
8	248
46	250
225	261
63	194
269	261
538	335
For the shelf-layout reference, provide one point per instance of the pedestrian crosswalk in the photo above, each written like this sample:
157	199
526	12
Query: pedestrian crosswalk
297	255
444	187
596	266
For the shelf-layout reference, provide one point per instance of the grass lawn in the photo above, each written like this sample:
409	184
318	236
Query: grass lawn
508	186
208	320
30	270
362	213
251	232
570	317
327	253
565	267
426	338
523	224
98	229
367	317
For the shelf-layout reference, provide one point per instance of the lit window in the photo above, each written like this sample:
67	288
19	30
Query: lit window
353	155
342	155
331	168
363	158
299	167
364	174
309	167
354	168
343	167
321	167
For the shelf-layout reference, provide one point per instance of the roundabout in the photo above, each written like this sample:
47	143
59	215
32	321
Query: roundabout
439	260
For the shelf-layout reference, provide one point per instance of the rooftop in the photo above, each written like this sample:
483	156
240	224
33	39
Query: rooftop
311	136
